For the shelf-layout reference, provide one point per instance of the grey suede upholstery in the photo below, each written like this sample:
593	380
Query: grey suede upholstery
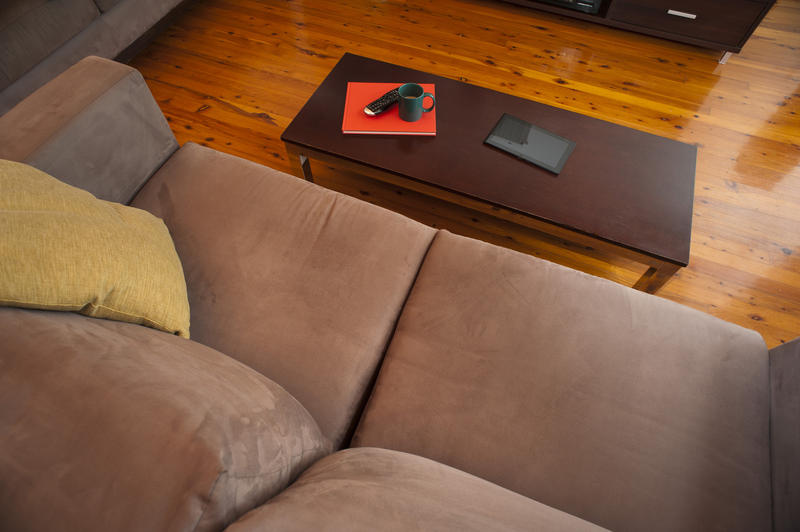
363	490
615	406
31	30
104	36
298	282
105	5
784	366
113	426
592	399
96	127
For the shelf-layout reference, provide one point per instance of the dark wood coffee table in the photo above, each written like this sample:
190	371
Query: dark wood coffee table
622	192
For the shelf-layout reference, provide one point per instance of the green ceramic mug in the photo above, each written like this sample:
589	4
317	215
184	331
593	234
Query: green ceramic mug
411	102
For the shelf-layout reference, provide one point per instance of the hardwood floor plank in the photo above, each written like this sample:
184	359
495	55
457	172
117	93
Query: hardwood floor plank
232	74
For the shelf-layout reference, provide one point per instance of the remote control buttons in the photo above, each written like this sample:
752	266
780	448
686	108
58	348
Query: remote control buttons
382	103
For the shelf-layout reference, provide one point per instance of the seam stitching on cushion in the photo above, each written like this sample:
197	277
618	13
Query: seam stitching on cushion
143	318
76	308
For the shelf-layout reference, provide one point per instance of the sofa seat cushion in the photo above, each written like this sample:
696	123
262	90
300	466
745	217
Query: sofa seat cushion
63	249
300	283
376	489
112	426
616	406
31	29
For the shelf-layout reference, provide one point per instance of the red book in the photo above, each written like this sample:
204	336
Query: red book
388	122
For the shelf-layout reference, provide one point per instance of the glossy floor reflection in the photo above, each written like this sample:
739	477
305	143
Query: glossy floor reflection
233	73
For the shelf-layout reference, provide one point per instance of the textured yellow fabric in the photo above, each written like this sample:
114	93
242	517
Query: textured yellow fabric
63	249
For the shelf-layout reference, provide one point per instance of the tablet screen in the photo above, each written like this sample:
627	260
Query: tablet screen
531	143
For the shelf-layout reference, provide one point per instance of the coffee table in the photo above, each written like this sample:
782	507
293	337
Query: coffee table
622	192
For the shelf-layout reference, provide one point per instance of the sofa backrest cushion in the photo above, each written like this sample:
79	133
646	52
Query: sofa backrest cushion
619	407
31	29
112	426
298	282
95	126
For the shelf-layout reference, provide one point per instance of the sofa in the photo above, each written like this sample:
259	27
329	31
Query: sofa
351	369
39	39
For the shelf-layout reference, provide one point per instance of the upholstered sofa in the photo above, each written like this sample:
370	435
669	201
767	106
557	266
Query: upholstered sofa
39	39
351	369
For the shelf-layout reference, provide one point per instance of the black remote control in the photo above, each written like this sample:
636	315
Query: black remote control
382	103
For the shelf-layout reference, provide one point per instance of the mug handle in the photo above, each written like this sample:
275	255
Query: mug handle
433	102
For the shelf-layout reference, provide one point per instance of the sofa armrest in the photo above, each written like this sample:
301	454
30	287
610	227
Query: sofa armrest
114	426
96	126
784	372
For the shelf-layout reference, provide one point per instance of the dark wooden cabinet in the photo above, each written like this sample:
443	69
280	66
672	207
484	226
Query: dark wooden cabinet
718	24
725	22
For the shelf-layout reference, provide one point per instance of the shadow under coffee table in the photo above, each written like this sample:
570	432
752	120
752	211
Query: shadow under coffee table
623	192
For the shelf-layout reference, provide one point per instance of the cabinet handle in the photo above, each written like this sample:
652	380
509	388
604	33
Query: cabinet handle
681	14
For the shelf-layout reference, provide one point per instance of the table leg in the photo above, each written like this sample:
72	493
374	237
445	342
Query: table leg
655	277
301	164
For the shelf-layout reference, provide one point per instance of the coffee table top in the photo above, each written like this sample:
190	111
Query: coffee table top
621	185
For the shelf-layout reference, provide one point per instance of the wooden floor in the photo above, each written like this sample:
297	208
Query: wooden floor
232	74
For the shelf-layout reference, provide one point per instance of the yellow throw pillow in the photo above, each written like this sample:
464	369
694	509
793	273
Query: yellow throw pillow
63	249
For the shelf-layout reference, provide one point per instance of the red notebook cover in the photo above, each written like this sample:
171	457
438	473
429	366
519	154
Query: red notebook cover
388	122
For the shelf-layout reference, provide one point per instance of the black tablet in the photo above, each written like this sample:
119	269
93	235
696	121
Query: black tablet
530	143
